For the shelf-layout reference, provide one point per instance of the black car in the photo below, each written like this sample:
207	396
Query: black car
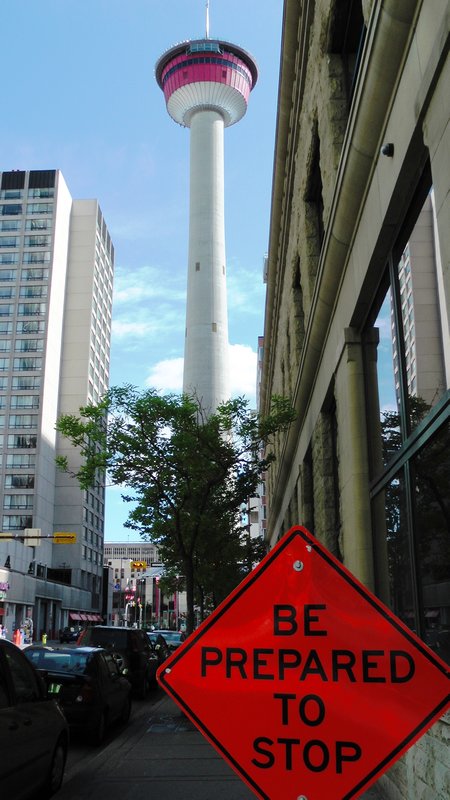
133	648
69	634
88	685
34	735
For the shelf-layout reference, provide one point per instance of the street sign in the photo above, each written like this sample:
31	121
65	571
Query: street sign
304	681
63	537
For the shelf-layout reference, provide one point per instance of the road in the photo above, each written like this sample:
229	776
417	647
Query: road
81	754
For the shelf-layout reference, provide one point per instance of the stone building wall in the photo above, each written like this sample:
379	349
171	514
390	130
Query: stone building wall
338	208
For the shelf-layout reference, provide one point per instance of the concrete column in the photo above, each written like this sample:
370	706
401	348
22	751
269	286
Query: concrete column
206	347
353	460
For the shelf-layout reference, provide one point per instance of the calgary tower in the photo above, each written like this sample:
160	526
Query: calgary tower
206	84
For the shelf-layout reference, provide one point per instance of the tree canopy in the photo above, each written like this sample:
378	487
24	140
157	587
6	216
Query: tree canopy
185	473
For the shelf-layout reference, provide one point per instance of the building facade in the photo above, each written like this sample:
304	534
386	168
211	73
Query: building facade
56	277
357	312
137	597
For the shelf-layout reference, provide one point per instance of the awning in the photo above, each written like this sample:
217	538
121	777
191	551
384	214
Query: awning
83	617
72	615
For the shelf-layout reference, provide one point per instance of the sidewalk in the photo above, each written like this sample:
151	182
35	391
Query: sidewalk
163	757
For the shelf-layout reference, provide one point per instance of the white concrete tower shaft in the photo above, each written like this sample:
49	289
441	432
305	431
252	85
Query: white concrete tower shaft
206	84
206	367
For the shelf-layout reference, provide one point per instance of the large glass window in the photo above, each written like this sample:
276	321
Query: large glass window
29	345
27	364
41	257
33	291
26	382
9	241
20	460
408	401
8	275
38	224
43	193
24	401
16	522
22	441
10	209
17	501
30	309
9	258
23	420
37	241
34	274
11	194
39	208
10	224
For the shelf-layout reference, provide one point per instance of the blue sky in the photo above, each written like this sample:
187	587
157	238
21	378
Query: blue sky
79	95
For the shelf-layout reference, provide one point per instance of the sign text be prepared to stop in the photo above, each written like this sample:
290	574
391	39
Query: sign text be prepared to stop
276	664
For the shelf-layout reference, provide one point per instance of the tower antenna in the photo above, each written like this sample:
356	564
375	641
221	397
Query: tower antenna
207	19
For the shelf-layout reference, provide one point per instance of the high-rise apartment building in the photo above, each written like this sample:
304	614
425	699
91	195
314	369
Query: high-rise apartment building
56	278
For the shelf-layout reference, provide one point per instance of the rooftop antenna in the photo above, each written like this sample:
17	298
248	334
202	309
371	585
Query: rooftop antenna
207	19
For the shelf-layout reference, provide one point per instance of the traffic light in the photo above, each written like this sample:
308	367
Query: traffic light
138	566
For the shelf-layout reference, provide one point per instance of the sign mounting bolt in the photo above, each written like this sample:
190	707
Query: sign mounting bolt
302	797
298	566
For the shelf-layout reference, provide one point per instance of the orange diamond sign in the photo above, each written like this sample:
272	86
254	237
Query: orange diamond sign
304	681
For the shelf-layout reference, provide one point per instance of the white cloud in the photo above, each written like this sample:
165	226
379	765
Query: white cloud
167	375
144	283
121	329
243	371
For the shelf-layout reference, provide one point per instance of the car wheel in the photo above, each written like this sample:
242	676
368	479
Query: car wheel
98	734
56	772
126	711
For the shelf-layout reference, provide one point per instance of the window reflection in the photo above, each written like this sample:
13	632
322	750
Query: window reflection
408	405
431	469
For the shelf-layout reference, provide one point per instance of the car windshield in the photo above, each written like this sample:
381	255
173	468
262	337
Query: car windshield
54	661
172	636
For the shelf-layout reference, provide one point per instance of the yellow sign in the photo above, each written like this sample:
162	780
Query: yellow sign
64	538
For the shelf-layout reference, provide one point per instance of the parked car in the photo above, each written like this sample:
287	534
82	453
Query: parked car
159	645
173	638
69	634
133	648
34	734
88	685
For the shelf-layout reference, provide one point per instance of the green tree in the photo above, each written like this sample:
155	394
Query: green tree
186	475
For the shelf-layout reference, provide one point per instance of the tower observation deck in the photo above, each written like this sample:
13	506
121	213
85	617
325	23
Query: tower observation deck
206	85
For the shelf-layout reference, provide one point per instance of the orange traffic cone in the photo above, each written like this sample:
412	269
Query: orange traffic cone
16	637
